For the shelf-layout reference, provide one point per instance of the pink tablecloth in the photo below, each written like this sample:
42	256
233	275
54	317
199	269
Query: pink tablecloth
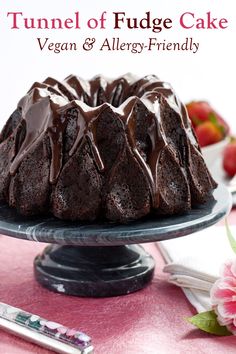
150	321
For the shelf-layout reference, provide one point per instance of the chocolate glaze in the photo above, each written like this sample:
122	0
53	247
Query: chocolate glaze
39	111
44	107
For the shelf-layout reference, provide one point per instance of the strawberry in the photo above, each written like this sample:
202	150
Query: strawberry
198	112
208	133
229	159
201	111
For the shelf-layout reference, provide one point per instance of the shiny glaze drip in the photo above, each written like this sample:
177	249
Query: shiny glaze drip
39	111
44	111
157	140
86	128
63	88
80	87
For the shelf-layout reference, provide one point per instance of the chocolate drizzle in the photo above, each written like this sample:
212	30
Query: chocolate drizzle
44	112
39	111
86	129
129	111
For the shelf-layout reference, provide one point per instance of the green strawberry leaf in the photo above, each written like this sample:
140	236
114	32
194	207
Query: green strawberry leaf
196	121
222	129
207	322
214	120
231	239
212	117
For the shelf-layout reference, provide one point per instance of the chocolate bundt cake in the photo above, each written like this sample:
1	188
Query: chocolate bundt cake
118	149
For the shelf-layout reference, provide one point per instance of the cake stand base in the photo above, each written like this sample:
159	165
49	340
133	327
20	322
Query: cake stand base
94	271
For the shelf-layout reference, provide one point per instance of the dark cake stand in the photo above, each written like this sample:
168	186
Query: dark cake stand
103	259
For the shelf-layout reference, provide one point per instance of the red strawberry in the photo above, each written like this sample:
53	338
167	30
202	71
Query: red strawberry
201	111
229	159
198	111
208	133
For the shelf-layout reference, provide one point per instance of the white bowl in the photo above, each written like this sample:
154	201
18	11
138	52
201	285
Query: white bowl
212	152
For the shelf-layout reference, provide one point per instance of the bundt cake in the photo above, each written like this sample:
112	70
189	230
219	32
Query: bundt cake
114	149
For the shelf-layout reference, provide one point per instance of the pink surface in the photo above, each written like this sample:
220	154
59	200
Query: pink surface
149	321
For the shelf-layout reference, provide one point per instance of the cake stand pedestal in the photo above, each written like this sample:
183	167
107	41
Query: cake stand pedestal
103	259
94	271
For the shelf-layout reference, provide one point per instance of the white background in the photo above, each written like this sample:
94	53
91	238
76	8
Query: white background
209	74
